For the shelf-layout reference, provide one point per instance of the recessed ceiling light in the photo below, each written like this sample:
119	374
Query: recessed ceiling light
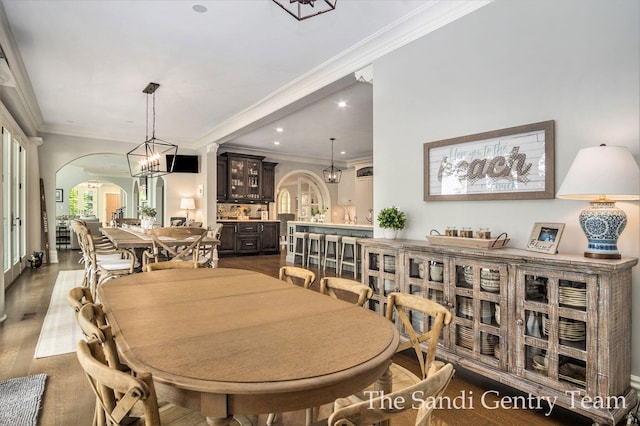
276	143
342	104
199	8
342	152
279	129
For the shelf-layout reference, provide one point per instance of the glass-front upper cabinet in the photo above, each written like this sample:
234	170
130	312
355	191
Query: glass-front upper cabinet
244	178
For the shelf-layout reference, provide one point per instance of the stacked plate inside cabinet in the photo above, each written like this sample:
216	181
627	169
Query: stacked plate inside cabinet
576	297
465	337
465	310
468	274
389	264
540	364
488	343
490	280
573	373
570	330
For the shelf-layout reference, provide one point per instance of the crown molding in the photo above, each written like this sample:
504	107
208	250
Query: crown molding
26	109
432	15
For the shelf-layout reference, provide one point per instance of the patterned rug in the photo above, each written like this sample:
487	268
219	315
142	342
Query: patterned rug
60	332
20	400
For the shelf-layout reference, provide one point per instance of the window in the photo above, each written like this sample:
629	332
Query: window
284	201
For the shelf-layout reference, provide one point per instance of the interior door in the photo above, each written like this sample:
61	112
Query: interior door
14	172
112	203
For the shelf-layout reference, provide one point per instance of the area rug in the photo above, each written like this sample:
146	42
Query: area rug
60	332
20	400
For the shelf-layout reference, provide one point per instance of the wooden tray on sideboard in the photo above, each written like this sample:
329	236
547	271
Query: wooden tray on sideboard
478	243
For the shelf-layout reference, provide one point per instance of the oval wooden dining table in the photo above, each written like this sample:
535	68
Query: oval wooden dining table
230	341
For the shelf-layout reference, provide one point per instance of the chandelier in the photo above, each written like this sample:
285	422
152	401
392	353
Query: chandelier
332	174
149	159
303	9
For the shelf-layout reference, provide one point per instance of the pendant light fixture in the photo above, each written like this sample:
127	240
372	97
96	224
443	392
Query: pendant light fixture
332	174
149	159
303	9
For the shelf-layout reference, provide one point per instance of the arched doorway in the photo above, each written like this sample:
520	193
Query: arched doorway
303	194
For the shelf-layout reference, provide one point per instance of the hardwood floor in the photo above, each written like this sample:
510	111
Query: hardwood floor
68	400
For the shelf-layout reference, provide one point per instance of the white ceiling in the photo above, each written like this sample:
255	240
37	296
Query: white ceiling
231	74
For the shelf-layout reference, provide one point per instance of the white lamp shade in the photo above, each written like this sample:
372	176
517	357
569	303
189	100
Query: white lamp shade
188	203
602	170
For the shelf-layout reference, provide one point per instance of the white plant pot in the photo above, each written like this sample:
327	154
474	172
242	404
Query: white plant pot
389	233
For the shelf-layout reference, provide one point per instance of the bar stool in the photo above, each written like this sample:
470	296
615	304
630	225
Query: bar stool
315	250
332	241
352	260
300	241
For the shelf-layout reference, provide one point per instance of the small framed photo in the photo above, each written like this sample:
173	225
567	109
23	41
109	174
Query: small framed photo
58	195
545	237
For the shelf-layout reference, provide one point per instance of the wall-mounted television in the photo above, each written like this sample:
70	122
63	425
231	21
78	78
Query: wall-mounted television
184	163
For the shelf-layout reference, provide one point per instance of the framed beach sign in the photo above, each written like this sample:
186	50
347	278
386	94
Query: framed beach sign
508	164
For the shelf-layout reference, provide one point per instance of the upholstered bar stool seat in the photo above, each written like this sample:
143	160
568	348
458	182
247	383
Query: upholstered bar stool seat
300	246
316	242
349	255
332	250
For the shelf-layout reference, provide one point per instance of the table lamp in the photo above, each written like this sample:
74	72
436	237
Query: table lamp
602	174
188	203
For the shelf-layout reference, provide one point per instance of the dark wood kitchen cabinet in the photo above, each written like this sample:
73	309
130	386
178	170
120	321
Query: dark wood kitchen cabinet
245	178
249	237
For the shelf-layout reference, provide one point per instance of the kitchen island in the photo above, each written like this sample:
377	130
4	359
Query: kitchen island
360	230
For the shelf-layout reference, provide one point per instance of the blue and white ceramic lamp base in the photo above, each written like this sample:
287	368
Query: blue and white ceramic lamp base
603	222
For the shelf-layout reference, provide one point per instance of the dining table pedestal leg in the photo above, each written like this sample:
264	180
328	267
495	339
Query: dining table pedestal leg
383	384
219	421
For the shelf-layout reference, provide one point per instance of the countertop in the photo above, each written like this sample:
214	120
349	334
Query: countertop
245	220
334	224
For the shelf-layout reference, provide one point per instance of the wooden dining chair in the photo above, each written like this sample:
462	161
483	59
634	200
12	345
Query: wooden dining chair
209	248
161	266
118	394
377	408
436	316
103	265
78	297
329	285
92	322
297	276
166	248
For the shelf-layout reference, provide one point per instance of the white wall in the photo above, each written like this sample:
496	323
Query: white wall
511	63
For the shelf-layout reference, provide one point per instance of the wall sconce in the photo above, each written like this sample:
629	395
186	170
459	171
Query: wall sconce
188	203
602	174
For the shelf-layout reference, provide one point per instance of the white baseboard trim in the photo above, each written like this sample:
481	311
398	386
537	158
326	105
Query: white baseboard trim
635	382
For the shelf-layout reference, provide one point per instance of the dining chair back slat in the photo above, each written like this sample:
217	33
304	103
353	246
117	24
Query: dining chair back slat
328	285
296	275
163	248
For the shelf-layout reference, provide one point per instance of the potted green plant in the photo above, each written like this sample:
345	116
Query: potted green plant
147	211
391	220
148	216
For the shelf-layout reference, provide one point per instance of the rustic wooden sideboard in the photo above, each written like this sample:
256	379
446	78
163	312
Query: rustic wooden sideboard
556	326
